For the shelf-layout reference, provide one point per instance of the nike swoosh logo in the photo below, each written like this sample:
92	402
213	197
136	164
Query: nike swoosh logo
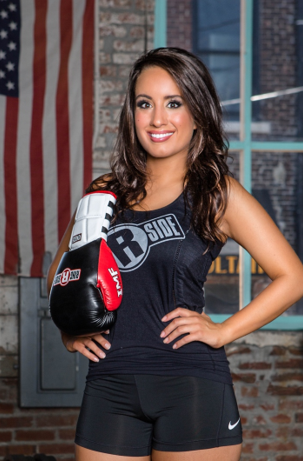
232	426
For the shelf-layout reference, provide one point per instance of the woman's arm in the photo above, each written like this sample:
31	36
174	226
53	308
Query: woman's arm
247	223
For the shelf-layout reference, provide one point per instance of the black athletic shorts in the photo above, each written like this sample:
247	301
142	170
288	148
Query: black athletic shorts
129	415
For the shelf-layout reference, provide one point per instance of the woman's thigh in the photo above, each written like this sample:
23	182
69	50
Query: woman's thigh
229	453
83	454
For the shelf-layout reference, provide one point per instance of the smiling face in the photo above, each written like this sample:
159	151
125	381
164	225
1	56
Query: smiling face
163	122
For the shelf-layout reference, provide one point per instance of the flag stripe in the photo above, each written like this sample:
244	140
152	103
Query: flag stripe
49	127
36	145
24	132
44	131
10	186
75	106
87	88
63	145
2	191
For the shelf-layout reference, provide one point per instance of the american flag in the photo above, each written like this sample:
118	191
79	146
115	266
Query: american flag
46	112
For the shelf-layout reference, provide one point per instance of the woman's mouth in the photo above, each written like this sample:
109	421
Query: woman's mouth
160	137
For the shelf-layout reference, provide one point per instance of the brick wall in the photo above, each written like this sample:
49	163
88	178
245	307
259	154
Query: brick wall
277	50
122	40
267	371
179	24
26	430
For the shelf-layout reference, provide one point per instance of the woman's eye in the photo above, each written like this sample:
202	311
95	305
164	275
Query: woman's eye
174	104
143	104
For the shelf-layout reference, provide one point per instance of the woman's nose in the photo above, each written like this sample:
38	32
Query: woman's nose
159	116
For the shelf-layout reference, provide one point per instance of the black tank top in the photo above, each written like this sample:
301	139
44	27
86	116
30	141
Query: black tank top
163	266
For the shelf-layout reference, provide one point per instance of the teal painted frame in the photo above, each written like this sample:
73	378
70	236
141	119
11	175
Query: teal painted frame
246	32
245	145
160	23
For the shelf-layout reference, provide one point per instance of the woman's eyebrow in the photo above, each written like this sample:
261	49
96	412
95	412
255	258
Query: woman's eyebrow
143	96
165	97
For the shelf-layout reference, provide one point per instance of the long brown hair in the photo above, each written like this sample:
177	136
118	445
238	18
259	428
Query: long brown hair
205	183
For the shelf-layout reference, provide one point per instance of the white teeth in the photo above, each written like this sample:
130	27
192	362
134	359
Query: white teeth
159	136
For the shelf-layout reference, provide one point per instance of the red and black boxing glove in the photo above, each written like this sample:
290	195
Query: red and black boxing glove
87	288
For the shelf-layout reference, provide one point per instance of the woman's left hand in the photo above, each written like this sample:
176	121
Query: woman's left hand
196	327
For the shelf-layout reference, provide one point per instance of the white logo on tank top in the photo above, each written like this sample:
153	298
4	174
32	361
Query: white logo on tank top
132	242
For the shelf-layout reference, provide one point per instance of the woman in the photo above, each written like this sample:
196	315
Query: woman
159	385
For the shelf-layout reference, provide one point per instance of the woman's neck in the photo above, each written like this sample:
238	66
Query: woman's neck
165	183
162	173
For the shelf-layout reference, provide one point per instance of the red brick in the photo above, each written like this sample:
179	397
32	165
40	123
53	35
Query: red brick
245	406
137	32
9	389
145	5
108	71
283	432
288	390
255	459
297	432
278	446
280	419
232	350
57	448
6	408
289	458
291	363
259	420
256	433
267	406
296	350
255	366
291	404
112	30
299	417
3	450
21	449
244	377
5	436
57	421
249	391
109	128
67	434
278	350
10	382
247	447
34	435
16	421
288	377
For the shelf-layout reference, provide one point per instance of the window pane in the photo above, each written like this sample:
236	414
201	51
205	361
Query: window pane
216	32
279	68
222	286
211	30
277	181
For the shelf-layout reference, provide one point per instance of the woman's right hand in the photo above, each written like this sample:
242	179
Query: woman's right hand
86	345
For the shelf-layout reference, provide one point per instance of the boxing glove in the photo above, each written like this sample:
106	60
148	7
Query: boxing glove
87	288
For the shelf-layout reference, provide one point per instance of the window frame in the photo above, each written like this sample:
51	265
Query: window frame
245	146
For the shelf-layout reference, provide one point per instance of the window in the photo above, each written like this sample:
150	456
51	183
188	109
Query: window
265	125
